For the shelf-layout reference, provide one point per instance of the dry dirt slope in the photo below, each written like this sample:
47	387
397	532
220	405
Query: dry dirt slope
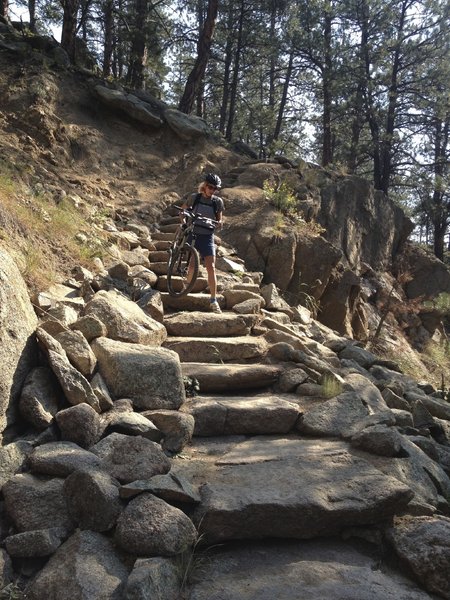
57	139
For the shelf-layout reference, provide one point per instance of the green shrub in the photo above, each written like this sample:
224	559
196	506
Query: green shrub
441	303
282	197
11	592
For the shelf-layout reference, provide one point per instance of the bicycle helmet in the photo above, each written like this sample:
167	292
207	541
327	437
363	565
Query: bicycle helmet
213	180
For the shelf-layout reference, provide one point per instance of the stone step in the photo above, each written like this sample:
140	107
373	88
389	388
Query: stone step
172	211
231	377
162	244
200	285
161	236
191	302
169	220
160	268
265	413
249	287
286	487
170	227
237	349
322	569
158	255
206	324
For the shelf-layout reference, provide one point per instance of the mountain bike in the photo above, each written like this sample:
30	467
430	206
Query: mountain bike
183	262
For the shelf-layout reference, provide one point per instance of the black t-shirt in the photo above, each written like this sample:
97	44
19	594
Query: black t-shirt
206	207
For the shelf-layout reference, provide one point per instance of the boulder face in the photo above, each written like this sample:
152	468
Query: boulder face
364	223
362	227
358	220
340	301
428	275
17	343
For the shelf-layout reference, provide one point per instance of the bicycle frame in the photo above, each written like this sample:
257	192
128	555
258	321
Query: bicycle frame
183	262
187	229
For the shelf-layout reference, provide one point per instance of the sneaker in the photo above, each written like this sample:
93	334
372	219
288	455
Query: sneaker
214	306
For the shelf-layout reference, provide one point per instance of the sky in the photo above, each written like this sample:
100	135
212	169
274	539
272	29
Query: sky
17	13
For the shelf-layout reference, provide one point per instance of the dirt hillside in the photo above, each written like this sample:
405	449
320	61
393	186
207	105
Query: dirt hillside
58	141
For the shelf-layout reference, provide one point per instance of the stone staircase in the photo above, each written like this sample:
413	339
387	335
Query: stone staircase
274	503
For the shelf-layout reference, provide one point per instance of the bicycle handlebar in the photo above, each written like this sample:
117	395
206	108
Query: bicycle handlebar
194	217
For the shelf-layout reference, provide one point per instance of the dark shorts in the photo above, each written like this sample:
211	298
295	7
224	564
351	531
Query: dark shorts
204	244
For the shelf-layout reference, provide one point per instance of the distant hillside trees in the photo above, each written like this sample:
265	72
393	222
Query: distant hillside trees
362	85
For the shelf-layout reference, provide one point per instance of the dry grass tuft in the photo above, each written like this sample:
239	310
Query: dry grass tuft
41	234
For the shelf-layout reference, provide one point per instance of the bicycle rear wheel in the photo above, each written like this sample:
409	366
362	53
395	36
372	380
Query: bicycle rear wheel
179	280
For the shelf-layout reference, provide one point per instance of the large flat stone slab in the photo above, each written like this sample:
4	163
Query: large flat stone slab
204	324
219	378
294	489
216	350
309	570
242	415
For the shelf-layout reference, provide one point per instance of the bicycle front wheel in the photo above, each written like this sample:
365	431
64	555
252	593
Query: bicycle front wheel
182	270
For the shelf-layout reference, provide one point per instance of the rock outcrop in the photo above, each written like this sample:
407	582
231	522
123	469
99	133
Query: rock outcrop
339	258
18	348
195	428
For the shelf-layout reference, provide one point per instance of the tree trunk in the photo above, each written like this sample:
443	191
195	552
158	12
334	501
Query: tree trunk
83	21
273	12
287	80
138	54
357	126
235	80
32	13
118	66
327	145
69	27
227	71
4	4
108	22
439	231
372	120
440	212
272	69
195	78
